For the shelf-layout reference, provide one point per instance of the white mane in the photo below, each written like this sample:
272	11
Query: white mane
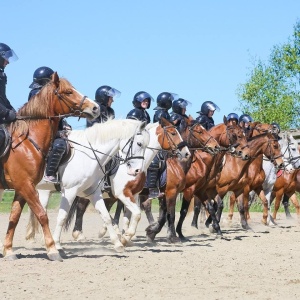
104	132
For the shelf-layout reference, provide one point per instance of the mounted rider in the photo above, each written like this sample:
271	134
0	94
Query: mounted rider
164	103
244	122
141	102
233	118
206	112
178	112
7	112
104	96
59	147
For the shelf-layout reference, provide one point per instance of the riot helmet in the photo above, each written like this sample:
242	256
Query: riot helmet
140	97
233	116
276	126
6	53
41	76
104	92
245	118
179	104
206	106
164	100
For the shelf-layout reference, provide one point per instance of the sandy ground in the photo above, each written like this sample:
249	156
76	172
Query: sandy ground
260	264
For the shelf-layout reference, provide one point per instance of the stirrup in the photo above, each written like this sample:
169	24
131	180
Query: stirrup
51	179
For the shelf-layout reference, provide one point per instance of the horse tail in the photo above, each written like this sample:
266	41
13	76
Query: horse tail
32	226
71	214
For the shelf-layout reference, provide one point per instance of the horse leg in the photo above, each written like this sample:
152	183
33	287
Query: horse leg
211	208
296	204
29	193
278	198
146	208
241	208
285	202
120	207
183	212
220	207
197	207
99	205
232	200
81	207
156	227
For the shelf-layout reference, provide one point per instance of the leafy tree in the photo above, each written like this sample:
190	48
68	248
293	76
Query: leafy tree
272	91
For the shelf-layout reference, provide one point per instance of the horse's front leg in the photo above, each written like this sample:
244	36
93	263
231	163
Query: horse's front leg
278	198
232	200
99	205
146	206
171	197
296	204
197	207
285	203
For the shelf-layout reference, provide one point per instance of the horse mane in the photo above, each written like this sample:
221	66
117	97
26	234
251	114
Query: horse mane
39	105
104	132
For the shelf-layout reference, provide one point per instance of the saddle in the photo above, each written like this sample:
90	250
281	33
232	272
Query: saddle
6	145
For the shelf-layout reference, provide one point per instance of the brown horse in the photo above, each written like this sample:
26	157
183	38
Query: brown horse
32	135
202	164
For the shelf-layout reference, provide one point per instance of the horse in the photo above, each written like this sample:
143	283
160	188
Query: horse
124	185
291	160
31	136
227	137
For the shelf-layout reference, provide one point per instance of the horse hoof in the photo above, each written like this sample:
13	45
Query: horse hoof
55	256
119	248
174	240
11	257
78	236
211	229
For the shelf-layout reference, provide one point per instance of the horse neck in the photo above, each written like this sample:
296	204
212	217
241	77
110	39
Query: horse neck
257	145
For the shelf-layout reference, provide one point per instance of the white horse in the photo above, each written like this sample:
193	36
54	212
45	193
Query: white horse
125	185
83	174
290	152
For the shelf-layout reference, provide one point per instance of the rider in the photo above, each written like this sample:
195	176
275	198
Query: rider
164	103
244	122
276	127
7	112
233	117
141	102
179	109
207	111
104	96
42	76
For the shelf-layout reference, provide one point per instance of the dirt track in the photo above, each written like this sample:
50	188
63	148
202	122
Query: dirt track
258	264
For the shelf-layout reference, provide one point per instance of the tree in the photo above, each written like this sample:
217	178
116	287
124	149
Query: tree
272	92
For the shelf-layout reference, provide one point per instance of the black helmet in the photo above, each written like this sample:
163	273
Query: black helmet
140	97
245	118
179	104
206	106
41	76
276	126
164	100
104	92
233	116
6	53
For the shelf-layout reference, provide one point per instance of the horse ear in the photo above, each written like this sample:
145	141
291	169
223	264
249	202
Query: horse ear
164	122
143	125
55	79
190	120
225	120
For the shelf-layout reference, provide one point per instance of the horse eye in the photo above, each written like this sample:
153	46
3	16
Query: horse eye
139	144
173	133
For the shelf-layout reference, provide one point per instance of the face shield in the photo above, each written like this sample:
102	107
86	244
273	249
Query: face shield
113	93
9	55
141	97
213	107
184	104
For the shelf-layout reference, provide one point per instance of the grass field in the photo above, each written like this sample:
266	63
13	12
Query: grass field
5	204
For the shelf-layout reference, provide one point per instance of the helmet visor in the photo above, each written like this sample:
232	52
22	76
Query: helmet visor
113	93
213	107
141	97
9	55
184	104
174	96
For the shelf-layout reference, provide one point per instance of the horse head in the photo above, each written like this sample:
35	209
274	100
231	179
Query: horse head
132	151
169	139
197	137
232	138
290	152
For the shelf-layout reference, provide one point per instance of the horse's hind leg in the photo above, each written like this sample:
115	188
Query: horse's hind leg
81	207
183	212
296	204
285	203
197	207
146	208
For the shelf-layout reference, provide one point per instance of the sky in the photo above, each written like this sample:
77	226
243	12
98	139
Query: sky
200	50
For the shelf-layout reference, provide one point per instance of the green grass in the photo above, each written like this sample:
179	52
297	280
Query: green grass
5	204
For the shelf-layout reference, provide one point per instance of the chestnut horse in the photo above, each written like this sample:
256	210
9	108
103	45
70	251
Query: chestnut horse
202	164
32	135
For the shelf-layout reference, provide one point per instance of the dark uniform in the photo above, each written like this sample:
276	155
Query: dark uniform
7	112
140	113
178	116
243	119
102	97
206	121
164	103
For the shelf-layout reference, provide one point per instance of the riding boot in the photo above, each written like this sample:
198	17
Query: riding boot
53	161
152	175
